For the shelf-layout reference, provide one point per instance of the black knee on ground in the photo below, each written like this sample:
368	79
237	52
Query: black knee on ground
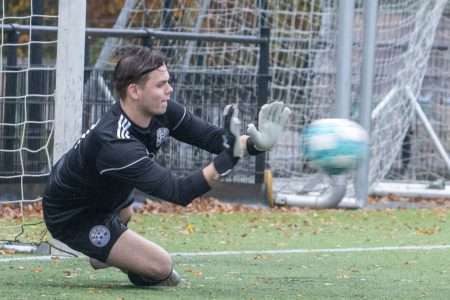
172	279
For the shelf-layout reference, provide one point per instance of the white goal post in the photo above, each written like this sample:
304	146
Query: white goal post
38	122
69	75
303	44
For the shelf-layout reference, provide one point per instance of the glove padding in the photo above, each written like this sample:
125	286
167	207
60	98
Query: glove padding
232	128
272	119
229	157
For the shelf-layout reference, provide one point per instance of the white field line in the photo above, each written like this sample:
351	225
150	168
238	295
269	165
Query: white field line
262	252
33	258
324	250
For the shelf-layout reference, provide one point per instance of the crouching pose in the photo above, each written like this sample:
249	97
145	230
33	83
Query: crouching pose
86	202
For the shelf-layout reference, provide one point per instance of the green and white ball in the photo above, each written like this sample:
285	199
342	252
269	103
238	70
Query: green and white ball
335	145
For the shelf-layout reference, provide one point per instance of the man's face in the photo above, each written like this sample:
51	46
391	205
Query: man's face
155	93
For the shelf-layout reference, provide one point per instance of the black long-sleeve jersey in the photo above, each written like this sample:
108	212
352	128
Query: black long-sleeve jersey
115	156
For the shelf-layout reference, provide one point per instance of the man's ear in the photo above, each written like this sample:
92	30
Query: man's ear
133	91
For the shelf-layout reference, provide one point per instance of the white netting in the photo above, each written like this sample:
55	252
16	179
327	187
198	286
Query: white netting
226	17
303	68
405	33
27	60
303	65
404	67
303	52
419	160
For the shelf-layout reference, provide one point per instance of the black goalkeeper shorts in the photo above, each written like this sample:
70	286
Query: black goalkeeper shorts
91	234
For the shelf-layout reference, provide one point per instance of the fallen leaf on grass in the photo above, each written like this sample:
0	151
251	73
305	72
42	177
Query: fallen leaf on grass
189	229
37	270
70	274
67	274
261	257
94	290
428	231
342	276
194	272
7	251
15	211
208	205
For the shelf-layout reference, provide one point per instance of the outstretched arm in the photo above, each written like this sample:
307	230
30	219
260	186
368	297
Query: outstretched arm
187	128
133	166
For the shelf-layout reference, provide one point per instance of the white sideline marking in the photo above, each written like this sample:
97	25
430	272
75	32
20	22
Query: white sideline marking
256	252
325	250
32	258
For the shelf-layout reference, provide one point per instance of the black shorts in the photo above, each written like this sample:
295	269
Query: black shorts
93	234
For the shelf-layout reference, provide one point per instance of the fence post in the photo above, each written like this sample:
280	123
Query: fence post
262	94
10	104
36	135
344	58
262	82
367	76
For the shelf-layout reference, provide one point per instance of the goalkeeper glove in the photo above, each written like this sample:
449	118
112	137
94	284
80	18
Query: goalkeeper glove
229	157
272	119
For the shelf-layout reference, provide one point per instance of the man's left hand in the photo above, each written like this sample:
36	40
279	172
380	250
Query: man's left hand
272	119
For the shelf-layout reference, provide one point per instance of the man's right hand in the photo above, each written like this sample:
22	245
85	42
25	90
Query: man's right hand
229	157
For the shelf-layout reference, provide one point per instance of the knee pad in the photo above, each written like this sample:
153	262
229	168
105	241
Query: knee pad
173	279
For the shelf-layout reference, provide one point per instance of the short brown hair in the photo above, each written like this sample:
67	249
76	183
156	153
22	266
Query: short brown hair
134	63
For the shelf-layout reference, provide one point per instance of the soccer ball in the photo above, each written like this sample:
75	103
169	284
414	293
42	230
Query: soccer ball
335	145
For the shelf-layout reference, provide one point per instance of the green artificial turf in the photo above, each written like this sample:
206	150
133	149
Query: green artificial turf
351	274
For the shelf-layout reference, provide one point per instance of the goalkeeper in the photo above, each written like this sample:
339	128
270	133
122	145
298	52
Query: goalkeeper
87	202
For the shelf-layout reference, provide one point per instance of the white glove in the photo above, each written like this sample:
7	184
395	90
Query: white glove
232	126
230	156
272	119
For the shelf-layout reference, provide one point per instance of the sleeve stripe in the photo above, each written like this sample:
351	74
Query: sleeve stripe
124	167
118	126
122	128
181	120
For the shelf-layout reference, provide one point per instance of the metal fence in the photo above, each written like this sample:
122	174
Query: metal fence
26	106
27	102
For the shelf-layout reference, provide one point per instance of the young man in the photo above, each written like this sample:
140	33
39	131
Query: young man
86	203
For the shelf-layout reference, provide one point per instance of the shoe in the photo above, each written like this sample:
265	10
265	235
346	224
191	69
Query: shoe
96	264
173	280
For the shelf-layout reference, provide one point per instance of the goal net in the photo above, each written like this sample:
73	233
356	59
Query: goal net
419	161
405	35
26	107
409	154
206	75
303	69
209	75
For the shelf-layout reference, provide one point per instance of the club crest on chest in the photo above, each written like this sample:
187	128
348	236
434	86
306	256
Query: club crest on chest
162	136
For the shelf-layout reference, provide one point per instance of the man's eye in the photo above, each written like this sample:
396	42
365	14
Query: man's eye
163	84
